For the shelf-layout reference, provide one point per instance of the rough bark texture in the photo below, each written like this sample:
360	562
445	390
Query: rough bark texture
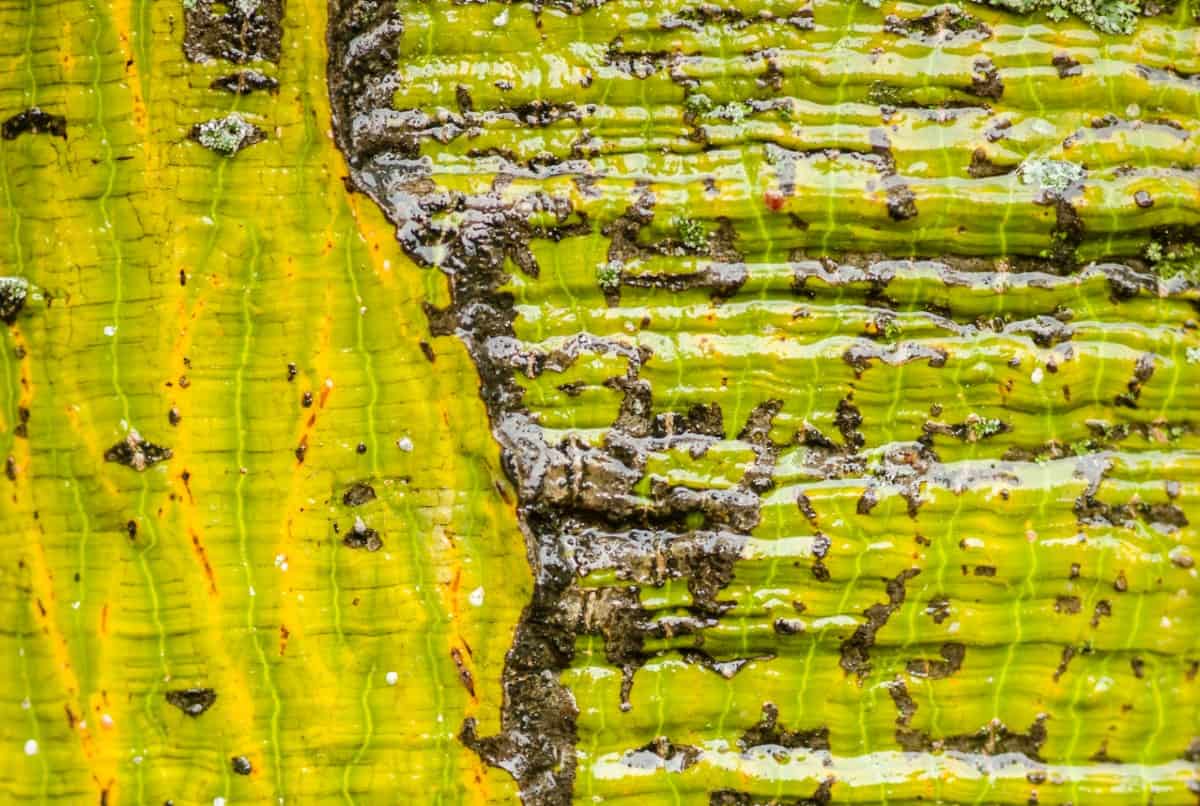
600	402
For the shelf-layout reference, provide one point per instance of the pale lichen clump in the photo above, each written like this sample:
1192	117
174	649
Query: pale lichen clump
1171	260
692	233
608	275
13	292
227	135
1052	176
1107	16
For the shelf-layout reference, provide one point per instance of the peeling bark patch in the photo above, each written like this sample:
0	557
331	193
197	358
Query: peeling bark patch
767	732
358	494
136	453
240	31
362	536
855	650
244	82
192	701
952	658
34	121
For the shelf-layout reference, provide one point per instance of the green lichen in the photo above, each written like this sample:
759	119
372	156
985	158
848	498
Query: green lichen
13	292
227	135
1052	176
692	233
697	104
979	428
1108	16
884	94
608	275
733	112
1171	260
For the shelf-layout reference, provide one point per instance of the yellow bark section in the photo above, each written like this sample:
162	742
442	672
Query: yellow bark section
165	277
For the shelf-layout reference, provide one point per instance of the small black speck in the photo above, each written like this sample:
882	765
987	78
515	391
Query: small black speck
292	372
173	416
306	401
241	765
131	527
428	351
182	277
362	447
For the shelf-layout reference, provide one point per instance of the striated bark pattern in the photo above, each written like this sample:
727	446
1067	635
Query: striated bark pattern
829	350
